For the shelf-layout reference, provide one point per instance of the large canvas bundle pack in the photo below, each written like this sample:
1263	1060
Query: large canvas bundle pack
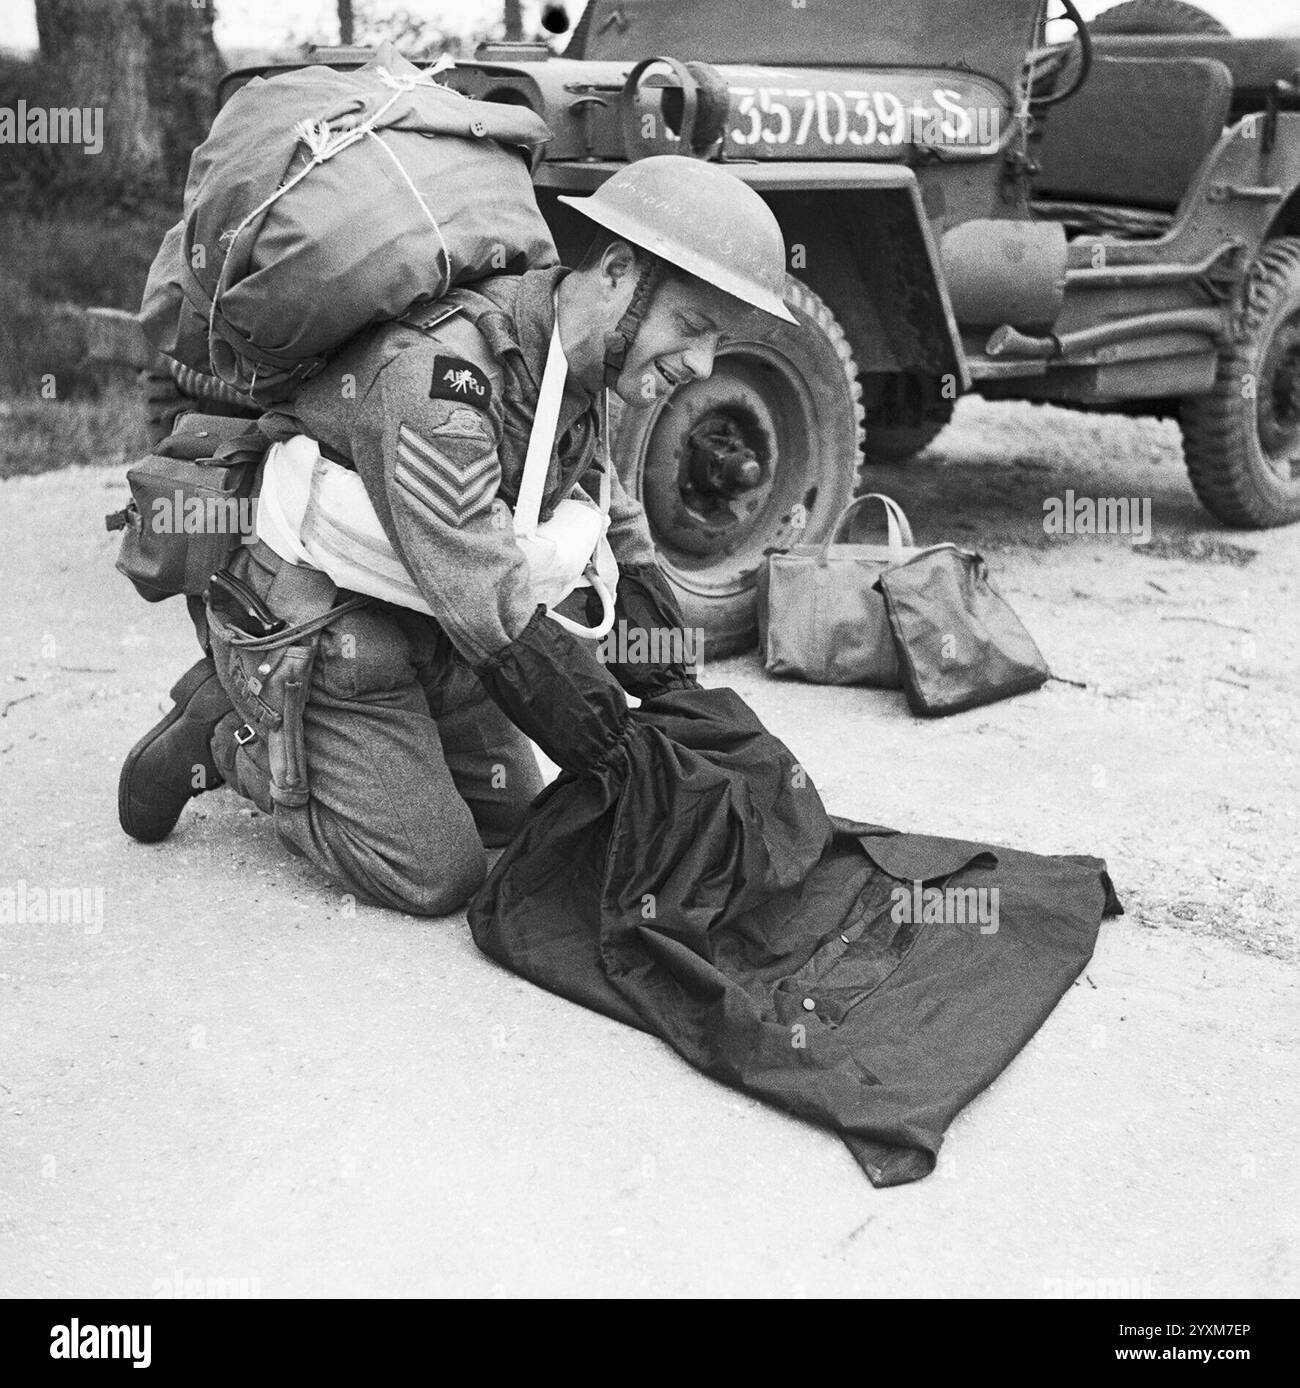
322	202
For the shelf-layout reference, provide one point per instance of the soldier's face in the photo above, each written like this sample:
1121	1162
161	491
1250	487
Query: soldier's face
687	323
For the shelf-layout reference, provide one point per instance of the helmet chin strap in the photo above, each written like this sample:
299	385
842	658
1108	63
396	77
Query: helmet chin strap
619	342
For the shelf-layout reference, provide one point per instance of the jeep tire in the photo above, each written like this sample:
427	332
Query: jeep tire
1156	17
1242	440
761	455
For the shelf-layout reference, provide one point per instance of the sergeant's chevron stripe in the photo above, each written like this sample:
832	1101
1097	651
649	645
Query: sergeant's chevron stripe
454	491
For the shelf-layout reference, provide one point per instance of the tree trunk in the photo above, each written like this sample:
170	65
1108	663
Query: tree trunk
151	67
514	20
347	25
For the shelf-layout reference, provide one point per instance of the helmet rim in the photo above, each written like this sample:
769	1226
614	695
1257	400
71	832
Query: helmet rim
748	287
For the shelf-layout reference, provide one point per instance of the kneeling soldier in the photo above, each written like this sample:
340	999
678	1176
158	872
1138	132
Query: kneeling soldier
415	729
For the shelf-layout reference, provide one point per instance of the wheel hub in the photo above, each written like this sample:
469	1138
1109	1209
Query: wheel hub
713	460
719	462
756	457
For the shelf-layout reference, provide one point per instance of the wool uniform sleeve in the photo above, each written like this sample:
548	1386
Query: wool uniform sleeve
439	436
629	531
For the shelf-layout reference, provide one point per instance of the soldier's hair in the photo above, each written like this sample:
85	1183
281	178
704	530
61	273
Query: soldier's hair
603	239
600	243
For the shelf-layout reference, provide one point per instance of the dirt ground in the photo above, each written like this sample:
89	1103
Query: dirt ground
239	1085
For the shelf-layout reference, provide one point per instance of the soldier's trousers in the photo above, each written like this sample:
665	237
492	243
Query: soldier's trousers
413	770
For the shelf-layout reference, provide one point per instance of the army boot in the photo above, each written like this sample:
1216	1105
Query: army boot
173	761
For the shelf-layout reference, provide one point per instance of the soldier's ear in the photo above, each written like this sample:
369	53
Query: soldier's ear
617	262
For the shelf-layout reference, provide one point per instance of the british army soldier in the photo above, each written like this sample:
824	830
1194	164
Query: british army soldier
414	731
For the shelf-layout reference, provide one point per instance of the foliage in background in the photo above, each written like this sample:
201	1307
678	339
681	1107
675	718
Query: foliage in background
414	36
46	175
39	435
78	230
51	266
53	262
151	68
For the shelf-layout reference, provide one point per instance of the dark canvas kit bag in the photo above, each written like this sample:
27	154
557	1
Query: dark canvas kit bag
959	644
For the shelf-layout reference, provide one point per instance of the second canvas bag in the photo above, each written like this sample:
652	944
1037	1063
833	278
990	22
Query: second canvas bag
819	616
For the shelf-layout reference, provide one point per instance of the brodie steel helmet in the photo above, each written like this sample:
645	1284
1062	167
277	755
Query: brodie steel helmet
699	218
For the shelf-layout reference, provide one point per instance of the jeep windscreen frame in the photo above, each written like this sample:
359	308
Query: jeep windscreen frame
991	37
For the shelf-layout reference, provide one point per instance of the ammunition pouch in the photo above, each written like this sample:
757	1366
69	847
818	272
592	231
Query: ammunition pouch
191	505
268	679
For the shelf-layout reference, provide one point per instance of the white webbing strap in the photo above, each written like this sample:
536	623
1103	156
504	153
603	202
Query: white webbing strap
541	441
537	464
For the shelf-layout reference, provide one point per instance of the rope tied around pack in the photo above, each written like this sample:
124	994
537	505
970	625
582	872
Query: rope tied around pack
325	141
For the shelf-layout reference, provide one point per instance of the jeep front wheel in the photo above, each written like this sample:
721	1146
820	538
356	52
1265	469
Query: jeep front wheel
761	455
1242	440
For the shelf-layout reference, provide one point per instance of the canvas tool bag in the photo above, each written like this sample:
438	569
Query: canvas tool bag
959	644
190	505
819	615
322	202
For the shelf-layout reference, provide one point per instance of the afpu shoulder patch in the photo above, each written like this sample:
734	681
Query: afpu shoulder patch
454	378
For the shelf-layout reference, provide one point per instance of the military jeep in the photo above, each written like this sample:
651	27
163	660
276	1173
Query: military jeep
1110	222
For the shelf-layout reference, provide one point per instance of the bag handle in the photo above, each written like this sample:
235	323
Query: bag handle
900	530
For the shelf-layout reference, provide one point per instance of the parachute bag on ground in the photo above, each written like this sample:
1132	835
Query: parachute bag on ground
323	202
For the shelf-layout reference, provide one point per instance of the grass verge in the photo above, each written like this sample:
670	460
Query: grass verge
39	435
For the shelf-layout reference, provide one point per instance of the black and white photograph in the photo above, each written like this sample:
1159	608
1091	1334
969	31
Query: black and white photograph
651	651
